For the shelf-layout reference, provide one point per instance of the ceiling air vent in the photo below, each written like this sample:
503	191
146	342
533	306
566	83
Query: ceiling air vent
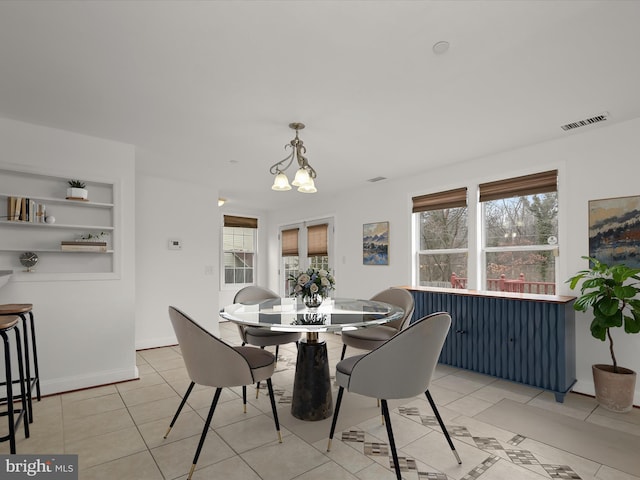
376	179
587	121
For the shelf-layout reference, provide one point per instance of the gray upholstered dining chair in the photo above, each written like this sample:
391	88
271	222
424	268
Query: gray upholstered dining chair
213	363
372	337
400	368
261	337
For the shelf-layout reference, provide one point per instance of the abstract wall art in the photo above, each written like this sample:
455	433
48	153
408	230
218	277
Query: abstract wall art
614	230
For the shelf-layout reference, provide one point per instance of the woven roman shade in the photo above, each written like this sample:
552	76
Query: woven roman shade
520	186
440	200
290	242
317	240
246	222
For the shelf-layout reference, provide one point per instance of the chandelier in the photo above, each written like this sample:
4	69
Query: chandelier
305	174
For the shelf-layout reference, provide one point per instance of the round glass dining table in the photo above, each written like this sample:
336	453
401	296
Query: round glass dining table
311	397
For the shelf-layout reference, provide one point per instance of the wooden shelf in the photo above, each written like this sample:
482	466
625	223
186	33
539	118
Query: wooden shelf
48	250
55	225
75	218
62	201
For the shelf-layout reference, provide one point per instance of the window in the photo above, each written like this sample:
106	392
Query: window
290	256
520	233
239	235
302	246
442	239
518	227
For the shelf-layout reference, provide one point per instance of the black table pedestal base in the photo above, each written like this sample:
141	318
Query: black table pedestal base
311	399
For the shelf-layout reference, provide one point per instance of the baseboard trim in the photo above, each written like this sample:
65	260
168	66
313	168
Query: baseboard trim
156	343
81	382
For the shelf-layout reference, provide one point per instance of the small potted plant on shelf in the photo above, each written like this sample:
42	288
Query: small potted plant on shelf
77	190
611	293
313	285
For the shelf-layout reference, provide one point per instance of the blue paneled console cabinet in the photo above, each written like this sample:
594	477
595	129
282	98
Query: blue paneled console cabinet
524	338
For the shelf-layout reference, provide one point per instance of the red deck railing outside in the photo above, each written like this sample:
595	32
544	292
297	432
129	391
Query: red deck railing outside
503	284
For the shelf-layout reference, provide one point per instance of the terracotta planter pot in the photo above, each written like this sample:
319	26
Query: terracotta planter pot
614	391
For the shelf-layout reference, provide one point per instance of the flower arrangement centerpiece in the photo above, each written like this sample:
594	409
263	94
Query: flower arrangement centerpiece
313	285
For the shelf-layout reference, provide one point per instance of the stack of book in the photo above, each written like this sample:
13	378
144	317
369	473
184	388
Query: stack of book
83	246
21	209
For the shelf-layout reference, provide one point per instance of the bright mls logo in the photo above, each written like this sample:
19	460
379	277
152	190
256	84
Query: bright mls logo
52	467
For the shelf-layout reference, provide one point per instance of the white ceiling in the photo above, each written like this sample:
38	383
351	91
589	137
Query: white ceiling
206	90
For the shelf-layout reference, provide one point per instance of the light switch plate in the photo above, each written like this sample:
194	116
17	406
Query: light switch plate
175	244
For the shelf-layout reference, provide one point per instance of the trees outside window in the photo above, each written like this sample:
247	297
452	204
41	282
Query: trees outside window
518	226
520	240
443	243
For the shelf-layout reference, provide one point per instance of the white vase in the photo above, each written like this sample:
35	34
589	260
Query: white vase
75	193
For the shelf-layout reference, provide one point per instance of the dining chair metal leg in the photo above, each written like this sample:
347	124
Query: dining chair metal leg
273	408
336	410
277	350
207	423
244	398
344	350
444	429
182	402
392	443
258	384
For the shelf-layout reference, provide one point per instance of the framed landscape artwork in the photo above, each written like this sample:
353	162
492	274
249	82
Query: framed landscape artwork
375	243
614	230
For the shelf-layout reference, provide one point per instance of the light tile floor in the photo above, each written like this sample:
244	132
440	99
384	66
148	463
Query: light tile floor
118	430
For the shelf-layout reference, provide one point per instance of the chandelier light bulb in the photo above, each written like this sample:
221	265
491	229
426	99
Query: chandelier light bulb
302	178
281	183
308	187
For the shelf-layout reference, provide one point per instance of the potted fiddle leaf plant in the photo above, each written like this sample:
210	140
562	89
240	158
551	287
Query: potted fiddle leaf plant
611	293
77	190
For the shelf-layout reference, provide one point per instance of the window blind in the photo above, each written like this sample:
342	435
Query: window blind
520	186
437	201
246	222
317	240
290	242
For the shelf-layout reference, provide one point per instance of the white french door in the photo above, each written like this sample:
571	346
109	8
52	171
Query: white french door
304	245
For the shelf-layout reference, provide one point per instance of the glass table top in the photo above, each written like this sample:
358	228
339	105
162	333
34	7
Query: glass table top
291	315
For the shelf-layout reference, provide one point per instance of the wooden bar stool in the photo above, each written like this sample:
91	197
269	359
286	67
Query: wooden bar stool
8	323
33	380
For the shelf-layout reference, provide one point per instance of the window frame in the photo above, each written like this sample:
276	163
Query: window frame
476	250
223	280
446	199
515	248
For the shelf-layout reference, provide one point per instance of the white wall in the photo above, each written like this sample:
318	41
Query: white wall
85	328
188	278
602	162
